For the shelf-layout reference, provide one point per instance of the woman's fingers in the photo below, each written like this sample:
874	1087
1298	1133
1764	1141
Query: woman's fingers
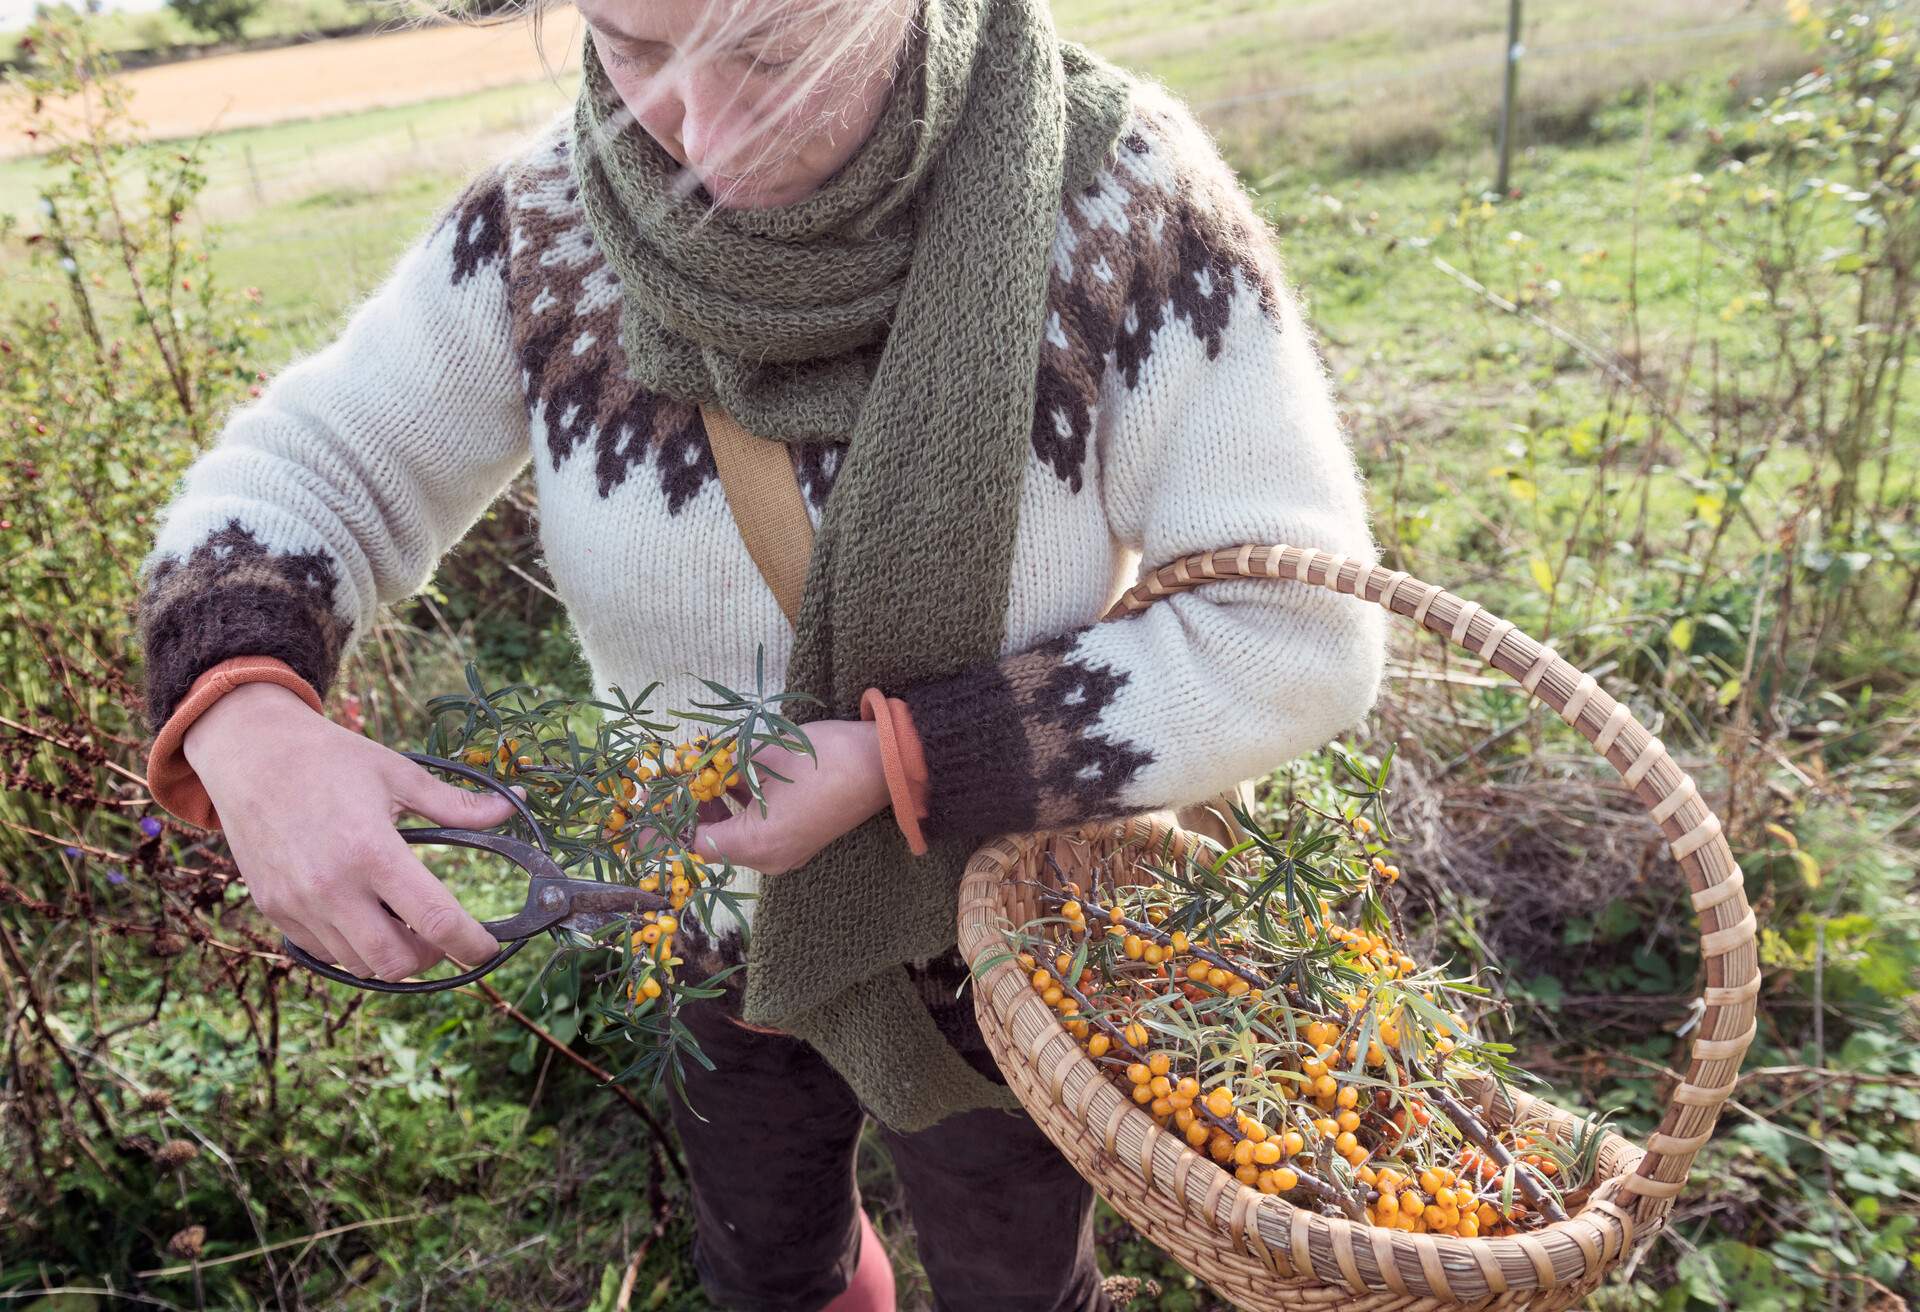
447	803
340	952
434	913
306	939
390	949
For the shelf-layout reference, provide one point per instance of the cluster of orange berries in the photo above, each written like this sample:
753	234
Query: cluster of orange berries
1376	853
1430	1203
505	757
654	940
712	770
1327	1105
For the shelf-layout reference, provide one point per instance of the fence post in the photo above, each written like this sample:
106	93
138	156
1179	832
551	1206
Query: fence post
1511	76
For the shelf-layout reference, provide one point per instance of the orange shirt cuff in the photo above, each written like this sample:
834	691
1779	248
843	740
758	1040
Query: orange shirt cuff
904	762
170	779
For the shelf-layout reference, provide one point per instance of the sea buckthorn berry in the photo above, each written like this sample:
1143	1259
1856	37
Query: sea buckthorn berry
1142	1094
1136	1034
1098	1045
1267	1152
1138	1073
1219	1100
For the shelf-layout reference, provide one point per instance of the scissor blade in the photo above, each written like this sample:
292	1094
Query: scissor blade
585	905
596	905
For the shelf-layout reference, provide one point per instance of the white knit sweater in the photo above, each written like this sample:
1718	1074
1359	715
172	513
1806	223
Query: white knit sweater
1182	405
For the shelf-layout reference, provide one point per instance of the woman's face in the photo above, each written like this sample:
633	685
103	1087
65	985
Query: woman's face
721	109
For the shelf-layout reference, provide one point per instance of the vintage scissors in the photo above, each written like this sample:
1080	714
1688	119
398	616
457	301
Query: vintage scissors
554	900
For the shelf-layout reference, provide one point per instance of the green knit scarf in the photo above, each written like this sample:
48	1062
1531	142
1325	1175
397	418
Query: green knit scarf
900	307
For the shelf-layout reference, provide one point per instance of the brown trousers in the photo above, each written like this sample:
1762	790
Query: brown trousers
1003	1221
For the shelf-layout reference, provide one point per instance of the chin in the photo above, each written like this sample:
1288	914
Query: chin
729	194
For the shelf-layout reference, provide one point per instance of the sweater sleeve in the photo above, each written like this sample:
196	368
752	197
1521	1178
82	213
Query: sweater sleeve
340	487
1215	426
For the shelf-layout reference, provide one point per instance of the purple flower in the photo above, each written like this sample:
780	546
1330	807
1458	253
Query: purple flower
149	826
71	851
116	876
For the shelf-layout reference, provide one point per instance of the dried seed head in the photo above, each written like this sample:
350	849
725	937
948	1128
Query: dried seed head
175	1152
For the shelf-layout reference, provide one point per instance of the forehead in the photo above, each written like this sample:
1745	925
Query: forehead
678	21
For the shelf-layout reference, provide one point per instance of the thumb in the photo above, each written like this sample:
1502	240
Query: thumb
452	806
729	840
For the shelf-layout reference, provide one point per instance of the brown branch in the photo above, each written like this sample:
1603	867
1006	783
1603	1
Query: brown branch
640	1109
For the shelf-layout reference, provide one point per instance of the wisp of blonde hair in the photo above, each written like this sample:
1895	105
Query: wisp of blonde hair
841	36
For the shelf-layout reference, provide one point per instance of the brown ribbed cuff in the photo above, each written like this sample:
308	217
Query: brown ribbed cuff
903	760
170	779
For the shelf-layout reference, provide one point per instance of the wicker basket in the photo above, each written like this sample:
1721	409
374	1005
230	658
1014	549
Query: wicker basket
1256	1249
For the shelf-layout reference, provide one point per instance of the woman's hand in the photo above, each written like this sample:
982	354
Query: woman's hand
308	808
838	789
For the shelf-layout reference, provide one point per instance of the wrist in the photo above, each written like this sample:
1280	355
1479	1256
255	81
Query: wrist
875	793
240	711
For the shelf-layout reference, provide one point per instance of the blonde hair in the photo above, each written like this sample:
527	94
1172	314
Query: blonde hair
841	35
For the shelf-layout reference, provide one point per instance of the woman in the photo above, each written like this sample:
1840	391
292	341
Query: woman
1022	333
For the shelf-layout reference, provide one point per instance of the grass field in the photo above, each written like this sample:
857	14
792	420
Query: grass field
1391	106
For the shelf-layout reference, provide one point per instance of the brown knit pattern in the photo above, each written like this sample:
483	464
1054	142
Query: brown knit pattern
1011	747
565	304
232	596
1136	251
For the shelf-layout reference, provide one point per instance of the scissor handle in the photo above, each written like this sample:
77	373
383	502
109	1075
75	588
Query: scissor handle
526	856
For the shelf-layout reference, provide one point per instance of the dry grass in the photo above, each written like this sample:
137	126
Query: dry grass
1520	843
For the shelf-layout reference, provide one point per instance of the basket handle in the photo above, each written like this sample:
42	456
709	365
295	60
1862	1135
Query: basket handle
1693	833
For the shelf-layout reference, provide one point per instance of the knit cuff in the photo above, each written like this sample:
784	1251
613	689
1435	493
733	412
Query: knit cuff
904	760
170	779
235	594
1016	745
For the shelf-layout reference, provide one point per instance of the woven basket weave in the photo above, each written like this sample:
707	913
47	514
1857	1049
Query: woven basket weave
1256	1249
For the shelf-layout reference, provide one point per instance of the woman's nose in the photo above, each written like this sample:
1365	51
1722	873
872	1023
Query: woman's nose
712	118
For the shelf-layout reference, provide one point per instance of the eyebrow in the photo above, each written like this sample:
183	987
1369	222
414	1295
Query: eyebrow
757	33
